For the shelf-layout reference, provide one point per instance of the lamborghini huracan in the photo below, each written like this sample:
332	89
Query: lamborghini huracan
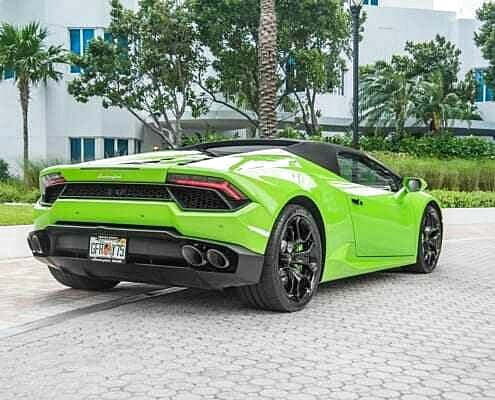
270	218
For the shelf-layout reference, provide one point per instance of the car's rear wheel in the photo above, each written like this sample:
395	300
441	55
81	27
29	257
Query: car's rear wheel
81	282
293	264
429	243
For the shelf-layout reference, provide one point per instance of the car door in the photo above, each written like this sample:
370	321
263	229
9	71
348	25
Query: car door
381	217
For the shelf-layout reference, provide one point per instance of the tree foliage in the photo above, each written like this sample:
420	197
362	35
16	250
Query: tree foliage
148	68
24	53
313	37
422	85
485	38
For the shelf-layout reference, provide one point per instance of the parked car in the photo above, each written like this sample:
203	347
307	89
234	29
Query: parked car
271	218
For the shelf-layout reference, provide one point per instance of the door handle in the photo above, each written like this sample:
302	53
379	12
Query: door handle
357	202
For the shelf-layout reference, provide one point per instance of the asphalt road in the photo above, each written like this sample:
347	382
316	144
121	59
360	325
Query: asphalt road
381	336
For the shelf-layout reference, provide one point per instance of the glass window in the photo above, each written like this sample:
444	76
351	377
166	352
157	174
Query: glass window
364	171
8	74
79	42
137	146
109	148
88	35
108	37
89	149
483	92
370	2
75	47
122	147
75	150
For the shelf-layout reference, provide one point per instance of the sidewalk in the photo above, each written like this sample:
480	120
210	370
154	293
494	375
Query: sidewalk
13	243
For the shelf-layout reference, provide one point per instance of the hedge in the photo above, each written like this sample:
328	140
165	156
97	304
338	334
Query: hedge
449	199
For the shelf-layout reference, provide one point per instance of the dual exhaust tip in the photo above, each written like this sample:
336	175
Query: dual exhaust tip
197	258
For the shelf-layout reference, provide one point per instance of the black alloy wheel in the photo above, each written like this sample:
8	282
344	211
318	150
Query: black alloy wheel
293	264
430	242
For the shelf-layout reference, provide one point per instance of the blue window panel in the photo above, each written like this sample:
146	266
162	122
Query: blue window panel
480	85
88	35
108	37
75	150
123	42
370	2
123	147
75	47
89	149
109	148
8	74
374	2
489	94
137	146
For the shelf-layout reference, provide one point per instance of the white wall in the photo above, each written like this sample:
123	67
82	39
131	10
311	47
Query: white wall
54	114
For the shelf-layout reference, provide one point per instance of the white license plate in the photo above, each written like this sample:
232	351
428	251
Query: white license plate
107	248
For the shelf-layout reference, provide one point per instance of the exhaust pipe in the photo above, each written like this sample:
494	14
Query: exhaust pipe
193	256
217	259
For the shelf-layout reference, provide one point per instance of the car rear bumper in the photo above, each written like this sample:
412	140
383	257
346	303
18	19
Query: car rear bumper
153	256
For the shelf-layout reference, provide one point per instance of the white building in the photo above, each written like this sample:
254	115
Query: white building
62	129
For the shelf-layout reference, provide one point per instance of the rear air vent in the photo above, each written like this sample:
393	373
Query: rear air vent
186	197
198	199
116	191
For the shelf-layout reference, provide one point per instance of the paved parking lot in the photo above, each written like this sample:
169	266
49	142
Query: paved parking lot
382	336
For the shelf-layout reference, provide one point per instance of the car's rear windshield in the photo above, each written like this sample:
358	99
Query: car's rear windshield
228	150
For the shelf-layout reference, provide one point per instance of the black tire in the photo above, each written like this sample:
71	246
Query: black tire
81	282
291	275
429	242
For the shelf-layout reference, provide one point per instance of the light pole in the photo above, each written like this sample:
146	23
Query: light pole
355	6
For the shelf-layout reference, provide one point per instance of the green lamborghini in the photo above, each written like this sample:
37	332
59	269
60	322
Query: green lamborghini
270	218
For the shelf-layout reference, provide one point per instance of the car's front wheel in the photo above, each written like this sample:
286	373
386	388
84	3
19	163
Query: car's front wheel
293	264
429	243
81	282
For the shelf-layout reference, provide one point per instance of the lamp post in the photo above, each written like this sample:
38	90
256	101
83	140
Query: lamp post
355	6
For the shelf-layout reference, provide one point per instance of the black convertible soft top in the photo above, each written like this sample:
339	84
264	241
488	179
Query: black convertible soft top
320	153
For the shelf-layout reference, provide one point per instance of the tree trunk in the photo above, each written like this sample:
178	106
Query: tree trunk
268	68
24	94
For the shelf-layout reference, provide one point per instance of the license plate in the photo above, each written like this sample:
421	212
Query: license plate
107	248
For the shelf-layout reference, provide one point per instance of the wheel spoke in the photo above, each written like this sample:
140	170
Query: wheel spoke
299	259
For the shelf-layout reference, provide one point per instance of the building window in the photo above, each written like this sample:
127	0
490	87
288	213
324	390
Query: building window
483	92
82	149
89	149
370	2
137	146
115	147
8	74
79	42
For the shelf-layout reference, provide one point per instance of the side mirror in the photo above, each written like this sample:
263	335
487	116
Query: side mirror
413	185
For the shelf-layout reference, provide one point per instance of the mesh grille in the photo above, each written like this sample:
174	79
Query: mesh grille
198	199
116	191
52	193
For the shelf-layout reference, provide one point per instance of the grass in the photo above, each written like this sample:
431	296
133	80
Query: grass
16	214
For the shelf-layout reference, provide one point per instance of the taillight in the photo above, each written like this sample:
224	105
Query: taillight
54	180
226	188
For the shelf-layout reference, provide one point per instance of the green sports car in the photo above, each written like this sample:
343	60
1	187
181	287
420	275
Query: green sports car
270	218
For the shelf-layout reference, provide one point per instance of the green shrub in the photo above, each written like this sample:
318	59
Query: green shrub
206	137
457	174
443	146
450	199
17	193
32	172
4	171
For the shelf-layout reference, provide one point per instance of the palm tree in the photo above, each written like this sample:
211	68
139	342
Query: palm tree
268	68
436	106
23	52
387	96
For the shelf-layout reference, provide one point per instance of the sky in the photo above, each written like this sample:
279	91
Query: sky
465	8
